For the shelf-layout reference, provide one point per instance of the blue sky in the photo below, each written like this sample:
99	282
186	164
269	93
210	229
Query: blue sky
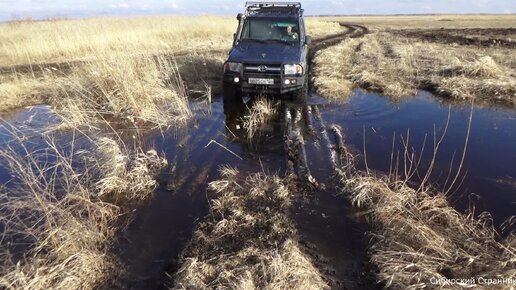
11	9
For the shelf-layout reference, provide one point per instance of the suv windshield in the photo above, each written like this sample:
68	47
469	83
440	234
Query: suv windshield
271	30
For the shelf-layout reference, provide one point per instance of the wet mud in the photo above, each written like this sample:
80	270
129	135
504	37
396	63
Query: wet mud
306	140
485	37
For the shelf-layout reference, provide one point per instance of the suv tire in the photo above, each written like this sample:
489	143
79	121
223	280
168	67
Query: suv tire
301	95
231	94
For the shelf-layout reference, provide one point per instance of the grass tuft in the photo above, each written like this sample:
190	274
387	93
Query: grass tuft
128	175
261	111
248	240
56	231
138	89
417	237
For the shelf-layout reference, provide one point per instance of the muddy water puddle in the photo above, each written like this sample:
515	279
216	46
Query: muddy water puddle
22	128
326	222
489	167
161	227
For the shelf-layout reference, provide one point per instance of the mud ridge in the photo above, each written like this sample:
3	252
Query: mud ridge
295	145
323	131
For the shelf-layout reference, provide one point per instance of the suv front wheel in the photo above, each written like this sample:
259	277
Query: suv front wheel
232	94
301	95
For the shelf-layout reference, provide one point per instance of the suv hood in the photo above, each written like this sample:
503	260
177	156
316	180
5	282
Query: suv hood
265	53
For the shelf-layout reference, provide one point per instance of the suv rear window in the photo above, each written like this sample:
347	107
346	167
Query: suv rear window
270	29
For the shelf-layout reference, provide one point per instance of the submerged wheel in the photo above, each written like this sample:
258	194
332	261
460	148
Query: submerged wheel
231	94
301	95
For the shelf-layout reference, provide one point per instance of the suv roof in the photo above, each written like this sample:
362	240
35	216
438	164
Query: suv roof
268	9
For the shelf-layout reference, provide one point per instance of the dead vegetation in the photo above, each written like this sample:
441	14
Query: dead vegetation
419	240
445	21
79	54
22	91
56	231
248	240
398	66
140	90
65	40
128	175
418	237
484	37
84	39
261	111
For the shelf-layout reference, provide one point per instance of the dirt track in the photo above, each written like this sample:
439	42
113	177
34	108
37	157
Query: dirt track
353	30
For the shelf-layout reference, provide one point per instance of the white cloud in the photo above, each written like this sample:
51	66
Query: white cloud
119	5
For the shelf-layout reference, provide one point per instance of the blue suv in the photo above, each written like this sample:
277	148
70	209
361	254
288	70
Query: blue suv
269	53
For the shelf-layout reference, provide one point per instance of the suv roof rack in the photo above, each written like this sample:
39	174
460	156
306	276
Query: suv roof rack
256	8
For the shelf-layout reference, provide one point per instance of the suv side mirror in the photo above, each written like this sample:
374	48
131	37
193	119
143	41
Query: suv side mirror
308	39
239	16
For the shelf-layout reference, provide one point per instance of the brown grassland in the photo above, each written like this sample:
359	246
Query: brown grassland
57	225
59	228
463	57
417	237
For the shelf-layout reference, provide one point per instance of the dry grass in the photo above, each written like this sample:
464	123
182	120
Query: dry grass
20	92
248	240
84	39
56	231
140	90
398	66
127	175
418	240
91	50
317	28
418	237
262	110
72	40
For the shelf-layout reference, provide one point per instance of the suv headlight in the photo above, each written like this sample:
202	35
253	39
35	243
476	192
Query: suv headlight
233	66
293	69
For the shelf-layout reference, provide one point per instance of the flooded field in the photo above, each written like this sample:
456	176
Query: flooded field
327	224
136	175
161	227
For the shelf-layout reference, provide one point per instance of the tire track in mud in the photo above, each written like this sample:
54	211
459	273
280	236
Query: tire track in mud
295	145
301	125
326	224
353	31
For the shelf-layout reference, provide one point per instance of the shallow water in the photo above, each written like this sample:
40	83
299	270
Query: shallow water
161	227
23	127
489	168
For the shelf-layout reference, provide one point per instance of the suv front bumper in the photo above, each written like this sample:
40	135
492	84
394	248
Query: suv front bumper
279	86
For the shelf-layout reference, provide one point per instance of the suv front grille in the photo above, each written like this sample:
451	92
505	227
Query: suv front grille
262	69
